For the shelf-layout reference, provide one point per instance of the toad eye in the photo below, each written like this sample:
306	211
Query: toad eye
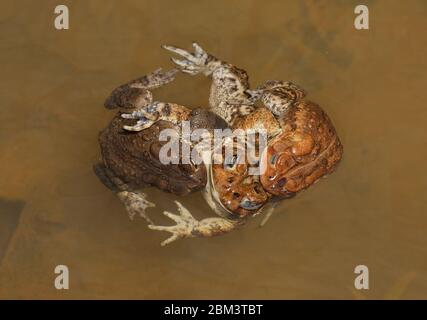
230	163
273	159
249	205
281	182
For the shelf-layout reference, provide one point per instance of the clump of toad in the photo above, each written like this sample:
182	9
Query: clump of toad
302	145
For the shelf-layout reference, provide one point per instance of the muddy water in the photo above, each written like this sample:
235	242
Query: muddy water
372	211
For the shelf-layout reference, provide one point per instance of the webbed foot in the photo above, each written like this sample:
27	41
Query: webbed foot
136	203
146	117
188	227
192	63
185	224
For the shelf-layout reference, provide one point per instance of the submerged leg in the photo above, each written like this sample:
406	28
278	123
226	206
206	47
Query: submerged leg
188	227
106	177
268	214
136	203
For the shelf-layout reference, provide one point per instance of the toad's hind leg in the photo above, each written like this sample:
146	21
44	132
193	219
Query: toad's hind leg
188	227
105	176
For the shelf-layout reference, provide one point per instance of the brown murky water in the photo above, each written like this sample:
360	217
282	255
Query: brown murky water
372	211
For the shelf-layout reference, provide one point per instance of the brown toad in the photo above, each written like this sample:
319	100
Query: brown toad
130	151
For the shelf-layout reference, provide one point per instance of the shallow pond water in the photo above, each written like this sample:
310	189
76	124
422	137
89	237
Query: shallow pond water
53	209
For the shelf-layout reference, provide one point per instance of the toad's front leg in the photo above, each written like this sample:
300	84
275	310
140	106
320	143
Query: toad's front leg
136	203
279	96
154	112
194	63
229	82
230	85
188	227
137	93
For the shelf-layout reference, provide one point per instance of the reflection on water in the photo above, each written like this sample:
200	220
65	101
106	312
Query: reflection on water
369	212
